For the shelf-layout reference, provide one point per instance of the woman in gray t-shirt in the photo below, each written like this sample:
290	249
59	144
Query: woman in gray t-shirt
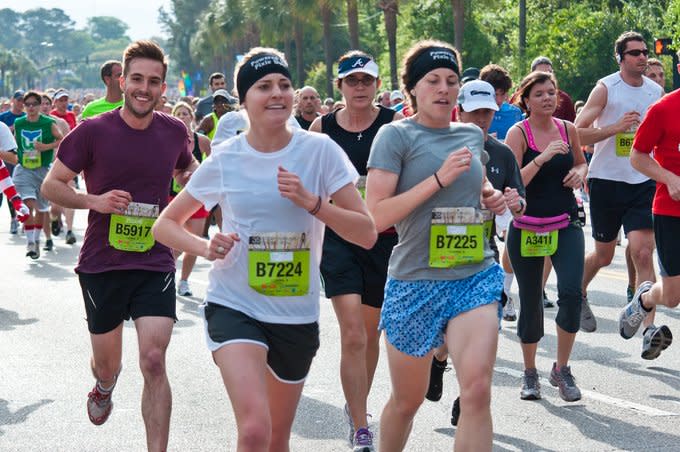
426	177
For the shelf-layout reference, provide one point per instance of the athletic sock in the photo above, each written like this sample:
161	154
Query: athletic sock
507	282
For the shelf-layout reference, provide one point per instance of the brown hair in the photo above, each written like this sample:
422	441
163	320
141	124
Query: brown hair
525	86
622	42
497	75
410	57
35	94
144	49
107	68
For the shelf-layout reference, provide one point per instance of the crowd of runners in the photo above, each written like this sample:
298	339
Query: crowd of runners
412	210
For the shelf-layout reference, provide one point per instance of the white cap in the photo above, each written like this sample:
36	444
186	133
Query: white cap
396	94
59	94
477	94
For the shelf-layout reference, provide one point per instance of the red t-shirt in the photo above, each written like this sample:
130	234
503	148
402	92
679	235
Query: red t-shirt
660	132
69	117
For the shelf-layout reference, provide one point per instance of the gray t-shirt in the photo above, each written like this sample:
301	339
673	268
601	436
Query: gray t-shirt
415	152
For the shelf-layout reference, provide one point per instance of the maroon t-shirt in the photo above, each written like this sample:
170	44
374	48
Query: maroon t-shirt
114	156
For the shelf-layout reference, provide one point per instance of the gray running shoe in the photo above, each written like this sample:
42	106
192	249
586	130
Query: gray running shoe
14	226
566	383
547	302
70	238
655	340
183	288
350	424
531	387
588	320
509	313
49	245
633	314
363	441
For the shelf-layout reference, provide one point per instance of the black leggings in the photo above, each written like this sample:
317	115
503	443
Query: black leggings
568	264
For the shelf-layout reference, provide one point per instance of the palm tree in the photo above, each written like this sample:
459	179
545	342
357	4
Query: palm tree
390	10
353	23
458	7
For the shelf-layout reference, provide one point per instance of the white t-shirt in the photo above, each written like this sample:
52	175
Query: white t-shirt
621	98
234	122
7	142
243	181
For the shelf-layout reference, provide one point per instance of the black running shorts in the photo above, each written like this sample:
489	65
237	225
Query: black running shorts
349	269
114	296
666	231
614	203
290	348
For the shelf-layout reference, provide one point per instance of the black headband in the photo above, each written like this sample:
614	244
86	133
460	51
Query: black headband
429	59
257	67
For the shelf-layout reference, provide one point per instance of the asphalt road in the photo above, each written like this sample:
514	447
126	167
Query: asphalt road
628	403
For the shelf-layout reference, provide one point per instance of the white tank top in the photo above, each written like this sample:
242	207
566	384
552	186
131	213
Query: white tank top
610	160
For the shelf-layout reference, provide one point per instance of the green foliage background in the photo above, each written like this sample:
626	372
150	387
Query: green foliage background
42	46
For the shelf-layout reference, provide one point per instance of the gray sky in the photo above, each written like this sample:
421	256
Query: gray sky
140	15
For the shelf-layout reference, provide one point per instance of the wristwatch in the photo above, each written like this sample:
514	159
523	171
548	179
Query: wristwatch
522	205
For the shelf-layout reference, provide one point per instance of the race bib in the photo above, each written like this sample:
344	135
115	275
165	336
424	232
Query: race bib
176	188
361	186
487	216
538	244
31	159
131	230
278	264
456	237
624	143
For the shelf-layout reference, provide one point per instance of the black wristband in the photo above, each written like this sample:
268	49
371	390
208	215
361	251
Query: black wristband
437	179
317	207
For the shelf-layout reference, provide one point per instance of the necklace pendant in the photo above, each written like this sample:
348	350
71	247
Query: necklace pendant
359	136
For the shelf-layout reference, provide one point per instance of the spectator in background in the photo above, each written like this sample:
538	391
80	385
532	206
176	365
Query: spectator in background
205	105
384	99
507	114
655	72
110	73
565	106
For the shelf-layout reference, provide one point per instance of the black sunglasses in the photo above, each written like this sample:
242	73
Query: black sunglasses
637	52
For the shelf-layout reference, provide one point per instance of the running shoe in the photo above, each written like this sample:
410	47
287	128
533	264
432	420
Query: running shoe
509	313
633	314
55	226
434	390
565	381
33	250
547	302
455	412
49	245
99	403
350	424
588	320
363	441
14	226
655	340
629	293
183	288
70	238
531	387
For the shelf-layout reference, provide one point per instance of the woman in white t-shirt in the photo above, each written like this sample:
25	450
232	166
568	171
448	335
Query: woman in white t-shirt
262	304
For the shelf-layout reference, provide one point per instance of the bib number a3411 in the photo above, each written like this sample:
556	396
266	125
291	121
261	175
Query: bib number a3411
538	244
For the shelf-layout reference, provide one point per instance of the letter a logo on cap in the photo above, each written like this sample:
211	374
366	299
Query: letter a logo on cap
359	63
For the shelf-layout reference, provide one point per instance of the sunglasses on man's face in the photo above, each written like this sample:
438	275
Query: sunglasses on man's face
31	104
637	52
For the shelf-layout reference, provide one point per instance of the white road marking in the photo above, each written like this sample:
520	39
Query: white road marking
620	403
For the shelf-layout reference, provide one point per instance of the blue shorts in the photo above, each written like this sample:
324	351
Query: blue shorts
415	313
